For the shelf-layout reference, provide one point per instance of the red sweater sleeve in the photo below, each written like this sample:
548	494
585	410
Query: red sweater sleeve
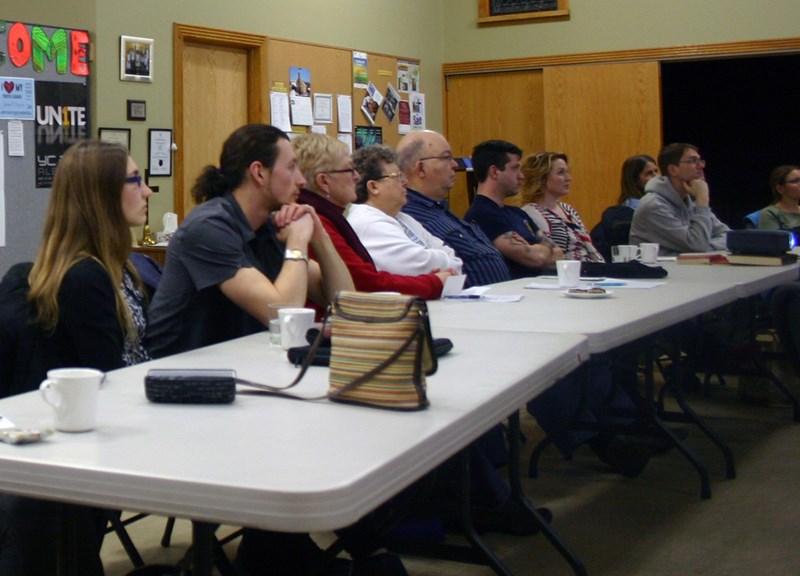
368	279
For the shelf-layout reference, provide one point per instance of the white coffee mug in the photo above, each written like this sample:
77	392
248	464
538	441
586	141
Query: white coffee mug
72	392
625	253
649	253
295	322
569	273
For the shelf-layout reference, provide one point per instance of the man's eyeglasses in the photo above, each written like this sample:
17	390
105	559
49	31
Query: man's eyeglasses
792	181
134	179
694	160
446	156
351	171
389	175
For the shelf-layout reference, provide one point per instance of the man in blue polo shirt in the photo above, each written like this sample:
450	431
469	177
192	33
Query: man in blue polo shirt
496	165
427	161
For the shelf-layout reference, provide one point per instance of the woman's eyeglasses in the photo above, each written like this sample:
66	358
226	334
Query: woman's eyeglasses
351	171
134	179
389	175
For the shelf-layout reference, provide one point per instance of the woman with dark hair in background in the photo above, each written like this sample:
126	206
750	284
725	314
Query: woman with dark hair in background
637	171
615	223
784	213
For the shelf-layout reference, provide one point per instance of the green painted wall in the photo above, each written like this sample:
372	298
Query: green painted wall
435	31
409	28
601	25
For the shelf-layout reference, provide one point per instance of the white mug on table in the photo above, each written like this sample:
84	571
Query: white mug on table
649	253
72	392
295	322
625	253
569	273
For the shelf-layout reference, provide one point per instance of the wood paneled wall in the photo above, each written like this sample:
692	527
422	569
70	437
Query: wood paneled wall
599	115
502	105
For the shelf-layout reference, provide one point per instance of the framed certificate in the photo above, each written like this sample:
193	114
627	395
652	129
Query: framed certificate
121	136
159	152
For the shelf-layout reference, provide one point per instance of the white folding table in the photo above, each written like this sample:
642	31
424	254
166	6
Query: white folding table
274	463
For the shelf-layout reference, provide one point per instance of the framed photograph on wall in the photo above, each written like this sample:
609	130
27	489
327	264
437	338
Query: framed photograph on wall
135	59
137	110
121	136
159	152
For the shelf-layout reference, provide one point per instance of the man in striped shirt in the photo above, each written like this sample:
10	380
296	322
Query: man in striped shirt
427	161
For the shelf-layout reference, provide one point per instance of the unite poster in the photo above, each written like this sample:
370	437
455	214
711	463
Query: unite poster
62	118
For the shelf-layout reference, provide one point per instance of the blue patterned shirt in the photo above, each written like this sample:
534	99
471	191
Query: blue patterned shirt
483	264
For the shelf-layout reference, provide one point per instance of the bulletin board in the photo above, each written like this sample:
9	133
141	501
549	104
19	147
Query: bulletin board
331	72
53	64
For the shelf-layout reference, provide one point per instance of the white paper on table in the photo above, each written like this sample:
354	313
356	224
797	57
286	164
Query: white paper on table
344	106
302	114
544	286
617	283
501	297
453	285
279	110
16	139
6	423
480	291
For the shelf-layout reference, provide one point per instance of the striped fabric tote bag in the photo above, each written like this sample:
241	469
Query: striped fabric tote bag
381	350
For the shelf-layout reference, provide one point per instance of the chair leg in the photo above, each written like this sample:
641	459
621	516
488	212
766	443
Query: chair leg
119	529
166	538
533	465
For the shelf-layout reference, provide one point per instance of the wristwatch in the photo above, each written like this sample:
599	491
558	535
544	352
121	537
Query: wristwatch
295	255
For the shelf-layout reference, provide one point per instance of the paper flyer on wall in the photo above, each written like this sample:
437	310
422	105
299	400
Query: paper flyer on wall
403	117
346	139
279	110
417	102
371	103
390	101
360	77
407	76
300	81
323	108
300	96
344	108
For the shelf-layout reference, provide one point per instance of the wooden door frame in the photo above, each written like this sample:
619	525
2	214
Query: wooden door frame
255	46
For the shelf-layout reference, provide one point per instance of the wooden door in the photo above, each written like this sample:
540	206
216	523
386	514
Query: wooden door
492	105
599	115
219	85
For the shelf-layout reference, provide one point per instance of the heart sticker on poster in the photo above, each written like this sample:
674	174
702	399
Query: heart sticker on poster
9	86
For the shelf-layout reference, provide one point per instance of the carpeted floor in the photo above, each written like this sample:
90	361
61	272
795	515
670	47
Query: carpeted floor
654	525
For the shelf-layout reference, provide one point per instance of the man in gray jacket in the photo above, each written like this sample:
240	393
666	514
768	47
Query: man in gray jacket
675	210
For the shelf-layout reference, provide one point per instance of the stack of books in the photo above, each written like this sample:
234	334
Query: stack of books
702	258
738	259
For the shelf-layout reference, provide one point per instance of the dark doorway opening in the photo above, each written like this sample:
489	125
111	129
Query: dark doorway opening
744	115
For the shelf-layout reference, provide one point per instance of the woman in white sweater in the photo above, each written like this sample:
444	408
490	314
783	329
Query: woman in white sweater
396	242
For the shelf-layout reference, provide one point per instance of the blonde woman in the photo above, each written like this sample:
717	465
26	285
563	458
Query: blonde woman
546	181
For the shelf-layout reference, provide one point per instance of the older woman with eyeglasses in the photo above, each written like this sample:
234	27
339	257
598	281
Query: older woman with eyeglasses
784	213
330	188
547	180
396	241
